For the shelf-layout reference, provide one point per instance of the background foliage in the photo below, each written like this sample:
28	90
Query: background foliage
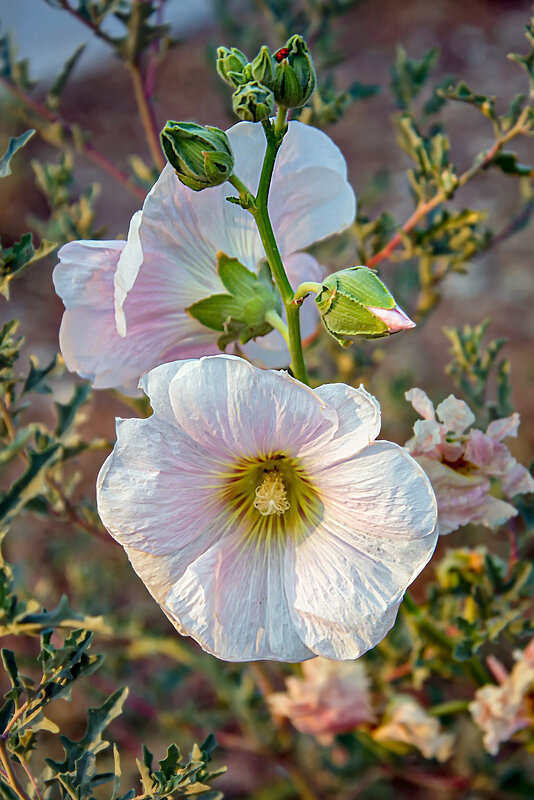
436	132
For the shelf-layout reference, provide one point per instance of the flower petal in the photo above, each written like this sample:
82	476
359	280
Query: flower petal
455	414
220	409
154	492
421	403
381	491
231	601
358	414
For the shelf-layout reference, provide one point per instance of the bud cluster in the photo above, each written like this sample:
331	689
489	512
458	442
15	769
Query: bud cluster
286	77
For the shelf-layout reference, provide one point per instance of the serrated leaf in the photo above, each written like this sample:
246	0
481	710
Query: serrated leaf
54	93
15	143
30	483
66	412
509	164
408	76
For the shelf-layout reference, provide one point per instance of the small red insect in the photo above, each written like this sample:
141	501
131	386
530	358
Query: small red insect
281	54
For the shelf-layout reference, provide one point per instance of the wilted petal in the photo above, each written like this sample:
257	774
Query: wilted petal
411	724
428	435
479	449
421	403
500	429
455	414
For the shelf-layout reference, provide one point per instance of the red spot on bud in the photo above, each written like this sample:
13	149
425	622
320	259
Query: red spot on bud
281	54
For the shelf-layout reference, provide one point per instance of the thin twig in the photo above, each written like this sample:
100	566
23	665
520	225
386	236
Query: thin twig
97	30
425	208
13	780
87	148
146	115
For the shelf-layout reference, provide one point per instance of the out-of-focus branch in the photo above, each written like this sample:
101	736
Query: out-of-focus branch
143	89
90	151
423	209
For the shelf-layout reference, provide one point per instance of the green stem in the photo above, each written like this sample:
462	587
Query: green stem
276	321
304	289
258	207
452	707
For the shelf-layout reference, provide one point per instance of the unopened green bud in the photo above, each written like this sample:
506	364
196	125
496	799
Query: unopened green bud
294	77
230	65
263	67
201	156
355	302
253	102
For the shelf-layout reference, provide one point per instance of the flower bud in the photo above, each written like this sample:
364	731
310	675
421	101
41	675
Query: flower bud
294	77
230	65
201	157
355	302
263	67
253	102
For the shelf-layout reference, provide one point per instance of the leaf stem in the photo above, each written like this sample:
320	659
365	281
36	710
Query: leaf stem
276	321
425	208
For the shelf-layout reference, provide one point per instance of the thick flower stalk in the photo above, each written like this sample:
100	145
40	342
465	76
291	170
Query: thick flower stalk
126	303
331	697
262	515
467	470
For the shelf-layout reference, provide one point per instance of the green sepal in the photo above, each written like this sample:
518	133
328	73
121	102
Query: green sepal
263	67
294	77
253	102
230	65
240	314
201	156
344	300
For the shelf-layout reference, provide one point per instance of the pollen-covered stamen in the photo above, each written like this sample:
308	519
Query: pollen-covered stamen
271	495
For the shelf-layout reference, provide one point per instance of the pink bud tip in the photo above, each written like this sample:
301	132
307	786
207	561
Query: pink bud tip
394	318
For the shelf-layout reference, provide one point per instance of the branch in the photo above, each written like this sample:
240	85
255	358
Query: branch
87	148
425	208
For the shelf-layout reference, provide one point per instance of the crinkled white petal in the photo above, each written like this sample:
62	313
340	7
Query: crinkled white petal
358	414
500	429
381	491
155	492
232	601
216	401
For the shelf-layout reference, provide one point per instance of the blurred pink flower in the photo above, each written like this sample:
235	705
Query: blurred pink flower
331	697
466	468
409	723
262	515
125	302
505	709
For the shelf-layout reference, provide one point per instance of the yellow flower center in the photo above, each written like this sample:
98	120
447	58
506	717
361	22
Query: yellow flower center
270	499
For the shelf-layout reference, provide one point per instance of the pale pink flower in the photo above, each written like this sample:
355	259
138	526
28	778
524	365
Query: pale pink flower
409	723
331	697
505	709
463	466
125	303
262	515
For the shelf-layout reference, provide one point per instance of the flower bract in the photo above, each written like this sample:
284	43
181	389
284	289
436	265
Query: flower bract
126	303
262	515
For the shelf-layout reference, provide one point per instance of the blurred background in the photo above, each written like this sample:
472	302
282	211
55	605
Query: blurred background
474	38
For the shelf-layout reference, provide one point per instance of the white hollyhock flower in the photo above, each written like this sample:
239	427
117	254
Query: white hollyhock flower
262	515
125	303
